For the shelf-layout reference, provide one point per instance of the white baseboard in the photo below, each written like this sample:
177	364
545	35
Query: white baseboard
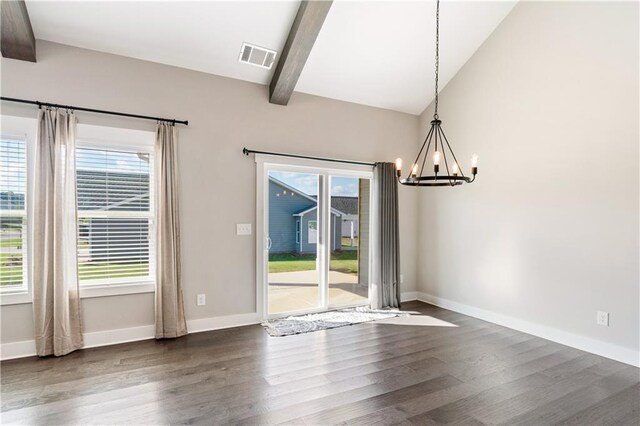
408	296
131	334
17	349
117	336
217	323
607	350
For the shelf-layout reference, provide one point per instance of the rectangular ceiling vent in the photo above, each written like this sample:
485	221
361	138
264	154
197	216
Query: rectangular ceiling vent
258	56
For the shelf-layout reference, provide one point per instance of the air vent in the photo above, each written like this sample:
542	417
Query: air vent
258	56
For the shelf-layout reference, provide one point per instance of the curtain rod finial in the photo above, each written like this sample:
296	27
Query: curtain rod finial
245	151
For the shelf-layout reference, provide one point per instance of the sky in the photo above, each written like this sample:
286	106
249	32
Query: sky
308	183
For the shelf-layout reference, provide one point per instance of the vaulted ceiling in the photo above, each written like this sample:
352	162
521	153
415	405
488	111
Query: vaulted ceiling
377	53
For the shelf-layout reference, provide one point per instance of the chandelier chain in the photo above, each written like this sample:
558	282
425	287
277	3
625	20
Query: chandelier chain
435	115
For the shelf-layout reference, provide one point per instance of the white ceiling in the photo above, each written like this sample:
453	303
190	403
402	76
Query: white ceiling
378	53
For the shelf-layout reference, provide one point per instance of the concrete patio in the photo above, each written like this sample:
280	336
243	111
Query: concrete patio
295	291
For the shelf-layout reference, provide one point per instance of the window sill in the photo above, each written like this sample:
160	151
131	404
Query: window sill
87	292
15	298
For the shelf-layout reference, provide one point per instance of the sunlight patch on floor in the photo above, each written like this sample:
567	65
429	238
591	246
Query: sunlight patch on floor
422	320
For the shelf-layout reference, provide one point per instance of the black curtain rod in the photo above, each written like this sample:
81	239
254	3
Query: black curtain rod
246	151
98	111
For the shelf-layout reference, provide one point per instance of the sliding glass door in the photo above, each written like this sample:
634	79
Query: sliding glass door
349	258
292	242
315	242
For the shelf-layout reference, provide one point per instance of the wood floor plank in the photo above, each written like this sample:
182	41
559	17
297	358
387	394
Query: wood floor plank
471	373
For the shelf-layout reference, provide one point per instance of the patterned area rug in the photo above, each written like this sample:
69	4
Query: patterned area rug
326	320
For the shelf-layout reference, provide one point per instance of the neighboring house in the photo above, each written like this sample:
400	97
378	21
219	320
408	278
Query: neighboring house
349	206
293	226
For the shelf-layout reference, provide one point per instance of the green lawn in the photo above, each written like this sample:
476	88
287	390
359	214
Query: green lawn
95	271
14	242
10	268
343	261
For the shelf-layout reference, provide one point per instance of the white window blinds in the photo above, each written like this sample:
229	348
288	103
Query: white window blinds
13	215
116	240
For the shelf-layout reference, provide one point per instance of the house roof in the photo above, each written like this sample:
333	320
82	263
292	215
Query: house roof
348	205
98	190
292	189
310	209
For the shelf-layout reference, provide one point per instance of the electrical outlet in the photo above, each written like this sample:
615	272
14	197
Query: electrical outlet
202	300
401	279
603	318
243	229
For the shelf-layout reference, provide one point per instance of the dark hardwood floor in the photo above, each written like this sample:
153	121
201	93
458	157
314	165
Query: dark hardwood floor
368	374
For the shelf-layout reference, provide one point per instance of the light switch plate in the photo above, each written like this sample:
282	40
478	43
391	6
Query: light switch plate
603	318
202	300
243	229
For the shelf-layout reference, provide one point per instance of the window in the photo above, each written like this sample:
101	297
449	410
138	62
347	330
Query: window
298	231
312	236
13	215
116	216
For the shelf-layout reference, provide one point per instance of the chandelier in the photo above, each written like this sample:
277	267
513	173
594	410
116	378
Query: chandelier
437	141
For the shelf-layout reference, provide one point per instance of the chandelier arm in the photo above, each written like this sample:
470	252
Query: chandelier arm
452	153
426	154
421	149
444	155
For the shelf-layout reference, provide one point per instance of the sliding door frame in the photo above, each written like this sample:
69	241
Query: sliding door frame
324	170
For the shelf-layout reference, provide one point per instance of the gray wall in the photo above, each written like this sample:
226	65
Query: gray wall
217	182
549	231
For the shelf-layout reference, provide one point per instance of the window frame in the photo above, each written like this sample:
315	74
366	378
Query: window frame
122	140
23	128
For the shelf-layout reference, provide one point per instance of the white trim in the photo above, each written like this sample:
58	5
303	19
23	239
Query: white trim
18	298
26	129
14	350
114	138
95	339
587	344
218	323
89	291
408	296
119	335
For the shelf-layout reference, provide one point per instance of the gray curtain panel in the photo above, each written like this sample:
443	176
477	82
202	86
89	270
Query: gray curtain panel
170	321
385	286
56	298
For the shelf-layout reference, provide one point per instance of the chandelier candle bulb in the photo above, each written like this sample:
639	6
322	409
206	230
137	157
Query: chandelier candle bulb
414	170
436	158
474	164
436	162
454	169
399	166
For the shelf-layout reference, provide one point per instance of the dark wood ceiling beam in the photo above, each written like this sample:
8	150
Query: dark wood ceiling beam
303	34
17	39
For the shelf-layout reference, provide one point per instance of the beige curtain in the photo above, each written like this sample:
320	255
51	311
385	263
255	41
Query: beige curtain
385	283
170	320
56	301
